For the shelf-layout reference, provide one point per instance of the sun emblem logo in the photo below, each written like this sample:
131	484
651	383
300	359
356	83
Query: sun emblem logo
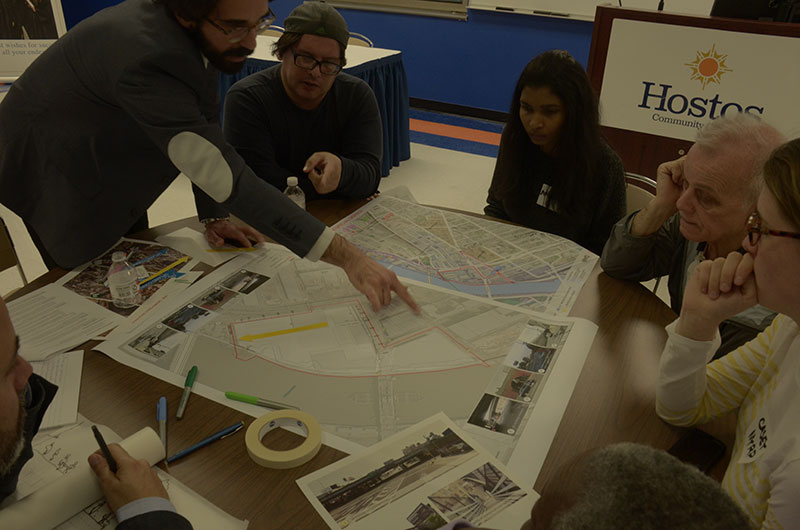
709	66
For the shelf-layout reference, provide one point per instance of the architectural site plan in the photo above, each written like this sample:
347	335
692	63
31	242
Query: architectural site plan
274	326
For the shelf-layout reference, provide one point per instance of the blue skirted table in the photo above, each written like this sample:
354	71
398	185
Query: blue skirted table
382	70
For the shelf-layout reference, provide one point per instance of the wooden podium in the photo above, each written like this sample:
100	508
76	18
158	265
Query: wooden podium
642	152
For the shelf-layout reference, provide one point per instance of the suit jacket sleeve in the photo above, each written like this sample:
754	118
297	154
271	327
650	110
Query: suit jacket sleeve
167	97
156	521
247	127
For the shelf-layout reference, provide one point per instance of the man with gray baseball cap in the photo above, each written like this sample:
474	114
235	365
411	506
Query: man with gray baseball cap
304	117
316	18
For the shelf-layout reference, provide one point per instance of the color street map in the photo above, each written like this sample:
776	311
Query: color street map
471	255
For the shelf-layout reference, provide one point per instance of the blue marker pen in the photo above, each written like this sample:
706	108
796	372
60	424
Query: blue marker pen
161	415
202	443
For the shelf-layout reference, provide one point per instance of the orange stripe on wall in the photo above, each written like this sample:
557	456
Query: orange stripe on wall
454	131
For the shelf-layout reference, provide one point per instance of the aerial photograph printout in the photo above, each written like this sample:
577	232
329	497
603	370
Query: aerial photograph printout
422	478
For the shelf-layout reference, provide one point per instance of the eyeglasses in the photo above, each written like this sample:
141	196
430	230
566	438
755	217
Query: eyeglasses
754	230
306	62
240	32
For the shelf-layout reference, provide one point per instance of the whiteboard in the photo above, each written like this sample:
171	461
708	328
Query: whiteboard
584	9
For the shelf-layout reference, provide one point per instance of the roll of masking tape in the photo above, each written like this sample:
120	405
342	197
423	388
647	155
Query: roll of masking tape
298	456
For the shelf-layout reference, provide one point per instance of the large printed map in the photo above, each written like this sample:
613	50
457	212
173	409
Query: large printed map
297	332
471	255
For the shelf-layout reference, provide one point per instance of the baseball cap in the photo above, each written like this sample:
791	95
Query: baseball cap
316	18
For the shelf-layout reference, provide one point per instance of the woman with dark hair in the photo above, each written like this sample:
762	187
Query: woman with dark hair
554	171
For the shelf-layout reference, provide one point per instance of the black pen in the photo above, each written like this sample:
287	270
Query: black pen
112	464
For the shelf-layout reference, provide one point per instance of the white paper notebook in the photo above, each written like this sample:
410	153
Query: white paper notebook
63	370
57	488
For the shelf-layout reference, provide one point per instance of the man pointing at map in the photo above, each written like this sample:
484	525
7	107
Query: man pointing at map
91	135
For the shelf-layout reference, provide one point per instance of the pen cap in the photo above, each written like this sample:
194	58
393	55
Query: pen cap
161	409
244	398
191	375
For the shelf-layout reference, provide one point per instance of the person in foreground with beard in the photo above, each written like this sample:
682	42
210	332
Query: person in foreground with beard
134	492
104	120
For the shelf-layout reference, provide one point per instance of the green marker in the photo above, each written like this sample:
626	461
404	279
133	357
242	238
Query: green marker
244	398
187	389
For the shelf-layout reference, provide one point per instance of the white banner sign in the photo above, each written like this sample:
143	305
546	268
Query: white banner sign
670	80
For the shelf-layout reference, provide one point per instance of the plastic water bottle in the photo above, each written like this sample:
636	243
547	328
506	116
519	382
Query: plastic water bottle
123	282
294	192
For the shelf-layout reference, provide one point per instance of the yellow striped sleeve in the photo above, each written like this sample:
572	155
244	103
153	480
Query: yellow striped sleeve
688	398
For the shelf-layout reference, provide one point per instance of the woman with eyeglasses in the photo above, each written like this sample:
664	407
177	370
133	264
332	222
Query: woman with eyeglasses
554	170
761	379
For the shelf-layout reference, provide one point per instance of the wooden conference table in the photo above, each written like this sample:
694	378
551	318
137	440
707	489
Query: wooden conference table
613	401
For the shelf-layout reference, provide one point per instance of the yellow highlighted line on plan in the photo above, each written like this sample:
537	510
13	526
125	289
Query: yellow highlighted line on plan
165	269
250	338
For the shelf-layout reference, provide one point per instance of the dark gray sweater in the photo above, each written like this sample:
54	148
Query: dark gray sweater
275	137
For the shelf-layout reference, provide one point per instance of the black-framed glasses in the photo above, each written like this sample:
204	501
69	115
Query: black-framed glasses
238	33
306	62
754	230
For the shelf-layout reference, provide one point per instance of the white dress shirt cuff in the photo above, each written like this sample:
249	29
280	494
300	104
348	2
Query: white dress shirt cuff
457	525
322	244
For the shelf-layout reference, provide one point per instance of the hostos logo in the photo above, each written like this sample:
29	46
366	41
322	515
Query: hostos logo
709	66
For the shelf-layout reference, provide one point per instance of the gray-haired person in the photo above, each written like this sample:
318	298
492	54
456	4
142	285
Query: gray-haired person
631	486
699	212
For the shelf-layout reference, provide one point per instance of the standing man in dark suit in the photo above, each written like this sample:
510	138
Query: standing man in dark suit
103	121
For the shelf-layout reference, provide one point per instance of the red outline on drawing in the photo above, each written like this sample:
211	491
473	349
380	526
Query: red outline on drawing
480	362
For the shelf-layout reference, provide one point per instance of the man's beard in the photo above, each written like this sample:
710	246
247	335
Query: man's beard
218	59
13	442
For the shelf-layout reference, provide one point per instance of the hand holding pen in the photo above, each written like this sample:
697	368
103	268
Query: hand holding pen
112	464
134	479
